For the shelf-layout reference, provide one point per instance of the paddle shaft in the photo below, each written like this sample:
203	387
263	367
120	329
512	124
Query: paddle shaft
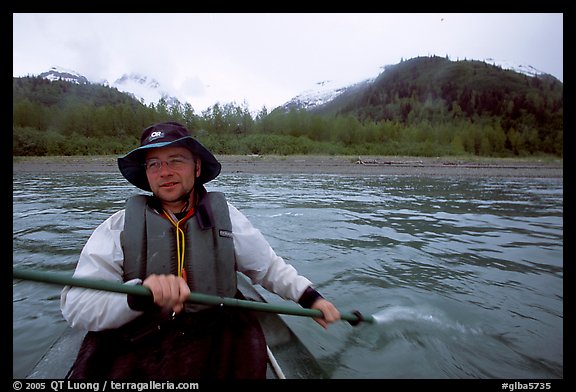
106	285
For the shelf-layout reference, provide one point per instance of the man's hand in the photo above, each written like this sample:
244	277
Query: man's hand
331	314
169	291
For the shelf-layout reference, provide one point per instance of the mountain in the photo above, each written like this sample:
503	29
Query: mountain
148	90
144	89
433	87
140	87
326	91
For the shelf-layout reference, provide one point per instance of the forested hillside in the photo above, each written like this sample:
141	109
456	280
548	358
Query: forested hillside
425	106
435	90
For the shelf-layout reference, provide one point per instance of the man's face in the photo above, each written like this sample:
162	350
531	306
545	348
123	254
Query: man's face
171	173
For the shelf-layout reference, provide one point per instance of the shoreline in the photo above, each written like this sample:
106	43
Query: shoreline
318	164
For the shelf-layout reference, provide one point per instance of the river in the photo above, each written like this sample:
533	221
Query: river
464	276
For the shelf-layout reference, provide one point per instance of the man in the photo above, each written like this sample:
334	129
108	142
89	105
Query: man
177	240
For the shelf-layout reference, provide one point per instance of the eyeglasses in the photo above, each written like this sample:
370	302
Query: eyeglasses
175	163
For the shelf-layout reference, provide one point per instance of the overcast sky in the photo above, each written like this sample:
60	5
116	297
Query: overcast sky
269	58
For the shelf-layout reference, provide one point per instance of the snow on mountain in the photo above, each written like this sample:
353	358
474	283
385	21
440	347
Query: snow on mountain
322	92
510	65
59	73
144	89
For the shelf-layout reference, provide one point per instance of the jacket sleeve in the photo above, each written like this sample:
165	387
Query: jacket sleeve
101	258
257	260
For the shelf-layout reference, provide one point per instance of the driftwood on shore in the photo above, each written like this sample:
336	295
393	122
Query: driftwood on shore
387	162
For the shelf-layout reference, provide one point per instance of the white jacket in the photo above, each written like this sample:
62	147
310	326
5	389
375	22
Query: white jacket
102	258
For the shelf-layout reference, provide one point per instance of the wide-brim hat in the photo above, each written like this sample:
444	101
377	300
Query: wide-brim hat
166	134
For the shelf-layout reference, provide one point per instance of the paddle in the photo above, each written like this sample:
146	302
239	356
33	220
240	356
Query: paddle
353	317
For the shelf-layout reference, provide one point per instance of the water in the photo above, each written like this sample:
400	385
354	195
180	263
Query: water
464	276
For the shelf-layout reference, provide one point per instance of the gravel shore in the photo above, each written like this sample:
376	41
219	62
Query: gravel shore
343	165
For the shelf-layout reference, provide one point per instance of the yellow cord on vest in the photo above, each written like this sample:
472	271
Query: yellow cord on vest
180	241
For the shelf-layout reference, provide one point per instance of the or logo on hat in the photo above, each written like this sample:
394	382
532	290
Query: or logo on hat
155	135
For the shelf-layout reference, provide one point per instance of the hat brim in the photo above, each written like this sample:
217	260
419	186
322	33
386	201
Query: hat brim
132	164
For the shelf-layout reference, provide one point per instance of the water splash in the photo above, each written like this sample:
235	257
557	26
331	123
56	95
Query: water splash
421	317
402	313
